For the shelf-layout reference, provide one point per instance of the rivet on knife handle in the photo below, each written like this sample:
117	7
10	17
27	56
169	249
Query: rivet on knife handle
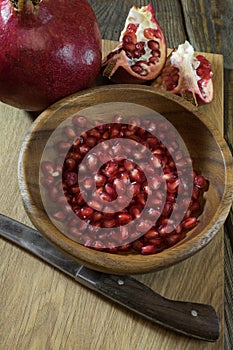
193	319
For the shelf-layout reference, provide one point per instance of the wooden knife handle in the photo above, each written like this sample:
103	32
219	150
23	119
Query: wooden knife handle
193	319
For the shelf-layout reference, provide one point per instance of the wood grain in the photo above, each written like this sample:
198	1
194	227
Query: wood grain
43	309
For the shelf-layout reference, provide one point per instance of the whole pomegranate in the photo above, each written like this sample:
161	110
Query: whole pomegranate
187	75
49	49
142	51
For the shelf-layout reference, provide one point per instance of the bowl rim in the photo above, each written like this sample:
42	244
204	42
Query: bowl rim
125	263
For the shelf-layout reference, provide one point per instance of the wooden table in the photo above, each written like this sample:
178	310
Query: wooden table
41	308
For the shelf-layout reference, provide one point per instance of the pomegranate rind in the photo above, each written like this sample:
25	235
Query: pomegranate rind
189	84
116	66
47	52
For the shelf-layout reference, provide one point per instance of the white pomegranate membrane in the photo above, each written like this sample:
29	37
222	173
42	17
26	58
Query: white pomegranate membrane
121	185
187	75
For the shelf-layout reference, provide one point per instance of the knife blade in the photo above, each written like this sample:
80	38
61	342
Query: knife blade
192	319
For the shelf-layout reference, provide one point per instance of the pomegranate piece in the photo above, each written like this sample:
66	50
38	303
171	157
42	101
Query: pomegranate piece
142	51
187	75
49	49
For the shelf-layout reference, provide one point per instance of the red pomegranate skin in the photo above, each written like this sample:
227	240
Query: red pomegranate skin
48	51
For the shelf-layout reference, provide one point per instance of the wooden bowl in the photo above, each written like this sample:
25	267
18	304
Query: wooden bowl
205	145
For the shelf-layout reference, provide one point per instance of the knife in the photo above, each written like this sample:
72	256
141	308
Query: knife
192	319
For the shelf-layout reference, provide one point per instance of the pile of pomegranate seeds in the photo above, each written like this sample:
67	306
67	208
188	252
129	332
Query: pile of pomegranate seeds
109	193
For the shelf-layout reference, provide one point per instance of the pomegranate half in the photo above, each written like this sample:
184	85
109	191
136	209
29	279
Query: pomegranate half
141	53
187	75
49	49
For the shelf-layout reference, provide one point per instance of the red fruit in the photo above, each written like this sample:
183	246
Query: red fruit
142	51
49	49
187	75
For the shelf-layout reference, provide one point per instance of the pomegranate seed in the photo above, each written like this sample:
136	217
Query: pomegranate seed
137	245
92	162
47	167
138	53
83	149
153	45
173	239
91	141
189	223
100	180
137	69
75	156
98	245
141	199
63	146
70	132
171	197
123	177
155	182
119	186
154	60
144	225
77	142
195	206
167	209
148	249
109	223
53	193
62	199
88	184
179	228
196	192
70	163
74	231
172	186
129	41
47	181
124	218
79	199
110	190
155	53
124	233
124	248
111	248
135	211
59	215
152	213
115	131
118	118
96	217
128	165
95	133
132	28
71	178
163	230
106	197
151	234
151	33
146	189
79	121
110	169
200	181
135	175
85	213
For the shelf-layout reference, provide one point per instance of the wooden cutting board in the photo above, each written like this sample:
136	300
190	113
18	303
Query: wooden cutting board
43	309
